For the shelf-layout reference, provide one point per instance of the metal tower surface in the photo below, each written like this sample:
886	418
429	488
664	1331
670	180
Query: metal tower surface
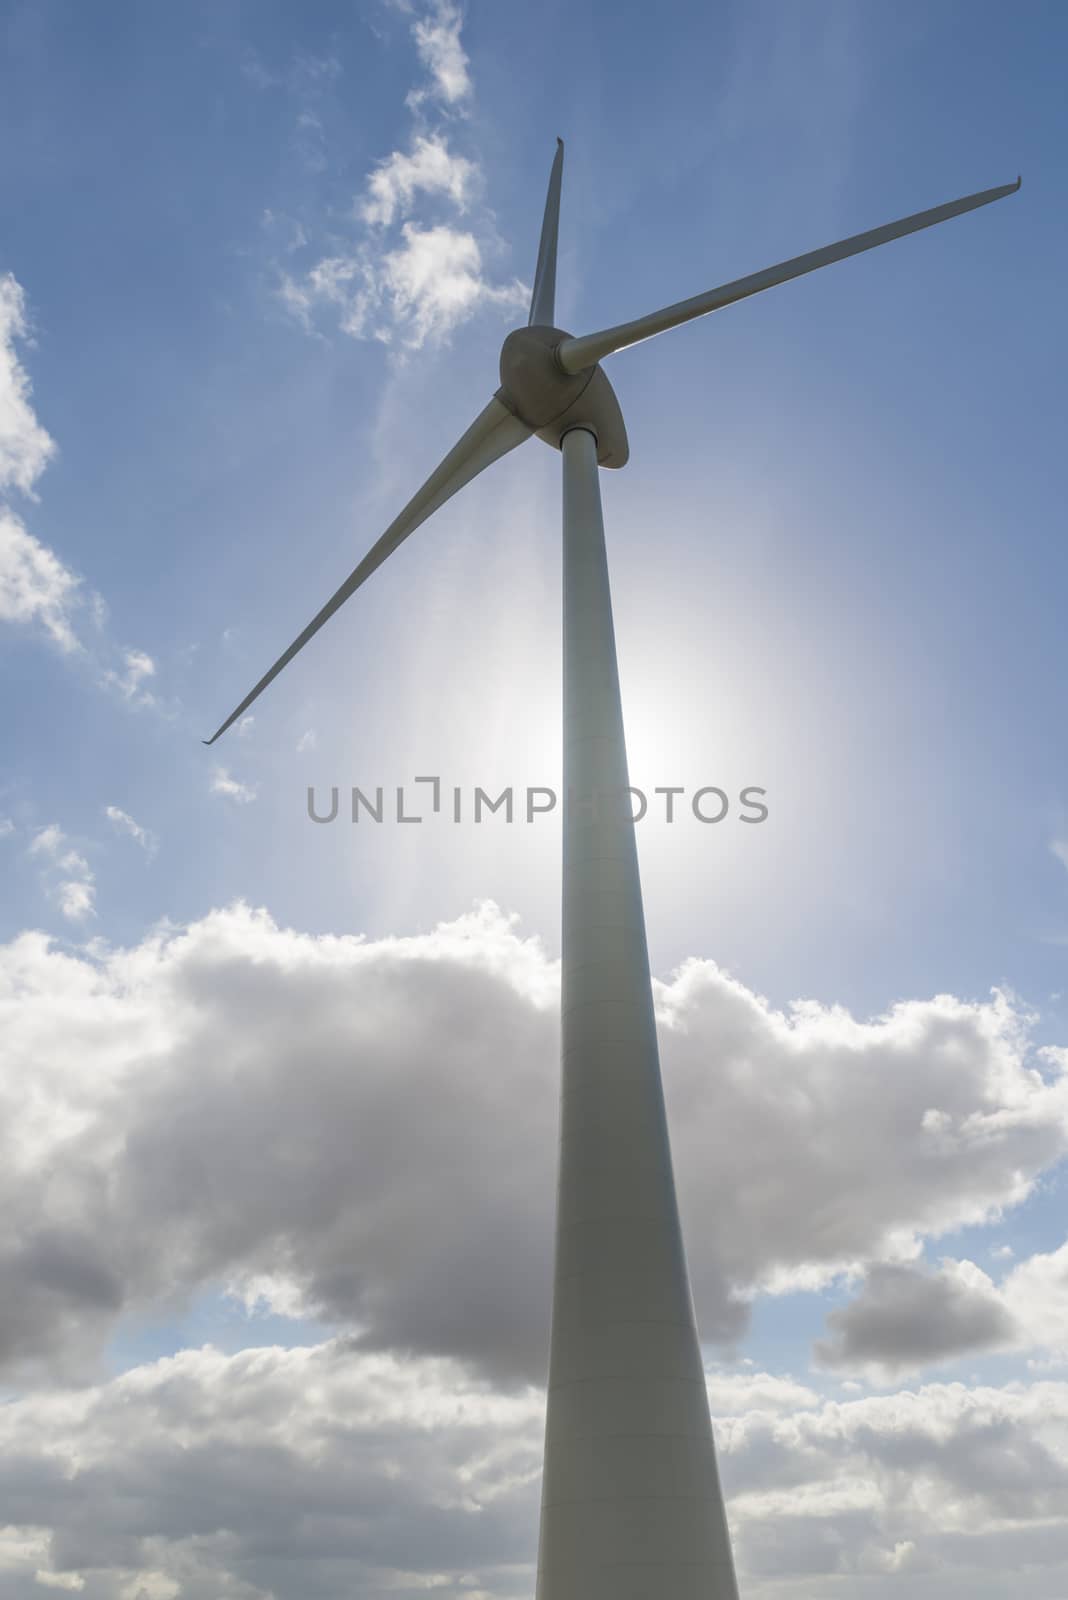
631	1501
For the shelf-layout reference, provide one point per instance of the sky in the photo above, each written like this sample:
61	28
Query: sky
277	1137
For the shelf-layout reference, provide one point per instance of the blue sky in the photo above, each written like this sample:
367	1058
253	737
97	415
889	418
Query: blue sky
258	262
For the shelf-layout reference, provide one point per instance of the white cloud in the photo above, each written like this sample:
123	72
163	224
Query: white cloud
223	783
25	447
1036	1294
434	281
1059	848
35	586
128	681
37	589
420	286
126	824
731	1394
307	741
428	168
245	727
6	827
437	40
68	878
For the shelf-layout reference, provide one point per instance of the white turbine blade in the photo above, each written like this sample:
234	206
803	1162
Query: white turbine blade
543	300
493	433
575	354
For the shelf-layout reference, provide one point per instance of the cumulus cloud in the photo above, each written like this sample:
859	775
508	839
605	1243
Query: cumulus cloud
906	1318
417	285
327	1470
929	1118
250	1104
933	1493
274	1472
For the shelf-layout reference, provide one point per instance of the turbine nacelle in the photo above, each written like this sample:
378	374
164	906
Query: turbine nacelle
536	389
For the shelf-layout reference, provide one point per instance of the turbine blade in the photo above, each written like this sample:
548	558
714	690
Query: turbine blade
493	433
575	354
543	300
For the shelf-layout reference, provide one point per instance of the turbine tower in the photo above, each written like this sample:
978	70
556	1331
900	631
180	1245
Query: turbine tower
631	1501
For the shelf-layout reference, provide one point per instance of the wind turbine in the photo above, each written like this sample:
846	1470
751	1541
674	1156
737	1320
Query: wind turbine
631	1501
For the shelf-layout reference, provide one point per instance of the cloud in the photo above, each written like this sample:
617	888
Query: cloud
249	1104
25	447
434	281
934	1493
437	40
222	783
428	168
1036	1295
35	586
415	288
307	741
37	589
136	668
326	1471
126	824
316	1472
68	877
906	1318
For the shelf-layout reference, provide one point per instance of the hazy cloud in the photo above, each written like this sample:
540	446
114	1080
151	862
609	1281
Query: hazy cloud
67	877
124	823
223	783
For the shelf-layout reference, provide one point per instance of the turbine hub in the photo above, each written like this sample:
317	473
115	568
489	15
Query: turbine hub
537	390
